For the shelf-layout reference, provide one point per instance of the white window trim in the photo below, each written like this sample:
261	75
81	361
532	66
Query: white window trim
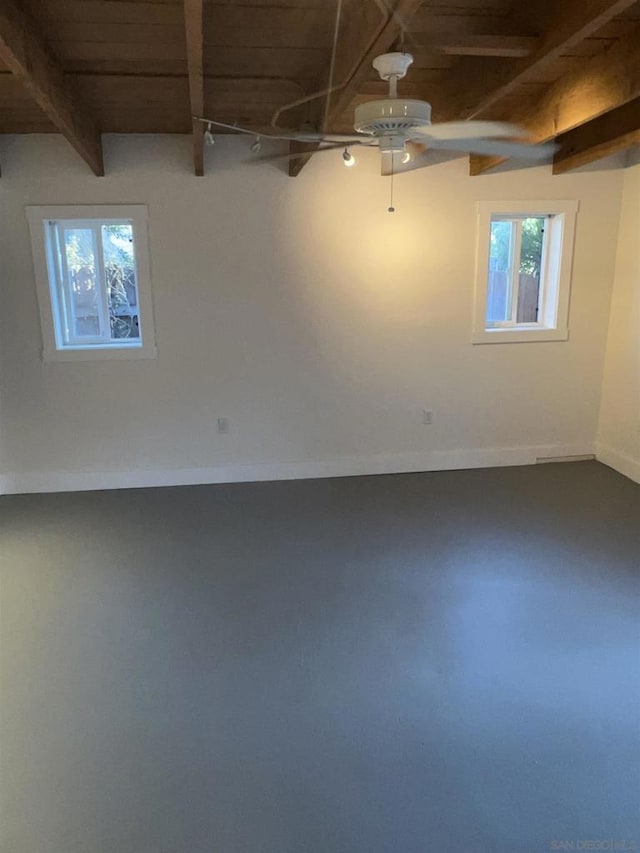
553	324
137	213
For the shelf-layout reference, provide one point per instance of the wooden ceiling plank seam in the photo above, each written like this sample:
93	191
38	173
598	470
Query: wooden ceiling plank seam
595	87
108	11
116	33
24	50
194	21
68	52
511	47
429	20
271	17
224	61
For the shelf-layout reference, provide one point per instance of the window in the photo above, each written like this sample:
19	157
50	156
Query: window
92	274
523	273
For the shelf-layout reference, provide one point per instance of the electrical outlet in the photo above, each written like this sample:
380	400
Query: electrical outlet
427	417
222	426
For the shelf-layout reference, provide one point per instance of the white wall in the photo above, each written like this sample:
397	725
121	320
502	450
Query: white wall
619	428
319	324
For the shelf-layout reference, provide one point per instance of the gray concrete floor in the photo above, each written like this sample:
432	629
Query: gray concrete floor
398	664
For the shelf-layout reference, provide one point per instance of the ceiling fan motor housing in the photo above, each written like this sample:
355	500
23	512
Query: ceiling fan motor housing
391	120
392	65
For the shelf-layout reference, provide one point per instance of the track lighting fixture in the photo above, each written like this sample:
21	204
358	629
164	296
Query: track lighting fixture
208	136
256	146
348	158
405	157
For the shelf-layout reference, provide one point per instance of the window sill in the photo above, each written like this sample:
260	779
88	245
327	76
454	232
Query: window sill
518	336
100	353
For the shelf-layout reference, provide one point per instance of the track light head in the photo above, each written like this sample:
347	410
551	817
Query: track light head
348	158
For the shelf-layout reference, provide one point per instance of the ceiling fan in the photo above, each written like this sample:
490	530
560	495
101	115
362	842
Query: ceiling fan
402	130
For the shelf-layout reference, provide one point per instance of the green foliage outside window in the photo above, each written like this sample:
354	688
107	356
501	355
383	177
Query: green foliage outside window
531	246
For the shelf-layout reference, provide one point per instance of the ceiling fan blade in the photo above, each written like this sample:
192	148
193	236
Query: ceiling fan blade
468	130
496	148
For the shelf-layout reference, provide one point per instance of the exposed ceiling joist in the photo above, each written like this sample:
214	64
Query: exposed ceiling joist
25	52
193	18
608	134
601	84
571	22
138	67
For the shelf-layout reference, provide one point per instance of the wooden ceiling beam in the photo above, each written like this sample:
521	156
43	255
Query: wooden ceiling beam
611	133
571	22
193	18
601	84
27	55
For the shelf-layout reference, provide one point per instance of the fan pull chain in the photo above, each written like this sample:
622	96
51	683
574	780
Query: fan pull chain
391	208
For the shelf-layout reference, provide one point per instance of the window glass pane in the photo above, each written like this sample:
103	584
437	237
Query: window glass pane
500	262
83	285
120	274
530	268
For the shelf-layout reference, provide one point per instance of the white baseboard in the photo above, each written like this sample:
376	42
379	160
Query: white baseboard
620	462
390	463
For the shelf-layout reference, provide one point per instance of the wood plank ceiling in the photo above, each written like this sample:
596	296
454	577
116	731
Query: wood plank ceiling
569	70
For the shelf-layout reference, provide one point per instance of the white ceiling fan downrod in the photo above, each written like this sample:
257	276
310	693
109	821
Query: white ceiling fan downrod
390	120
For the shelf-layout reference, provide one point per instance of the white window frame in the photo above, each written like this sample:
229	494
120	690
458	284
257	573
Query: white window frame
555	277
100	348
